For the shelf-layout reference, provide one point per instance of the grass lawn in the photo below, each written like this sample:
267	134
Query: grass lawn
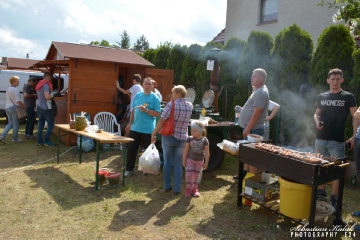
40	199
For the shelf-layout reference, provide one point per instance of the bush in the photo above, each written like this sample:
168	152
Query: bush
334	50
149	55
175	61
256	54
189	65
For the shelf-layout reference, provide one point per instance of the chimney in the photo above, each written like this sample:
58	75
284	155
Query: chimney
4	61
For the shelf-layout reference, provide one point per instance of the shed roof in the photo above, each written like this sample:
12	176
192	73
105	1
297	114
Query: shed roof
220	38
97	53
20	63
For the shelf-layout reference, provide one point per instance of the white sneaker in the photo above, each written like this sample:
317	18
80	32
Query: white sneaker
129	173
17	141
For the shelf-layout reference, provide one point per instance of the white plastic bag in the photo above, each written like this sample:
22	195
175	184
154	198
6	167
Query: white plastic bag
149	161
229	147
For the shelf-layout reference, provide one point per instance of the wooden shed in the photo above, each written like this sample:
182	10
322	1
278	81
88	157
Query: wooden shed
92	72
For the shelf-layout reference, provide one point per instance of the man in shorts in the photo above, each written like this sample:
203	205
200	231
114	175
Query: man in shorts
332	110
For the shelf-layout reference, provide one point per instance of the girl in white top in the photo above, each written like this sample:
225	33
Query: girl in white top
13	100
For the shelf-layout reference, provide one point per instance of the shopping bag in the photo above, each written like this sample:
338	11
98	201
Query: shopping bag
149	162
21	113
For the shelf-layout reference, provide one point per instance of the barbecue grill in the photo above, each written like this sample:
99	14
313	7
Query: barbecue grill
295	170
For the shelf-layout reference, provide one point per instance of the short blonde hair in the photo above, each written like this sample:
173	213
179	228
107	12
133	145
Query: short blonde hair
13	79
262	72
180	89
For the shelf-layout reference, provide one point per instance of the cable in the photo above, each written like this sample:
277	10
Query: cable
324	208
17	169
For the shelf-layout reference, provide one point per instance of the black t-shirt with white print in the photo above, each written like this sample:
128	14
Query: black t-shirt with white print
335	109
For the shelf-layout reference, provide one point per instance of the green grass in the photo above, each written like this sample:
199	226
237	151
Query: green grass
41	199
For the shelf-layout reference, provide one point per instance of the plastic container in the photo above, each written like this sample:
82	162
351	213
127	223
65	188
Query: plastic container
112	179
202	114
295	199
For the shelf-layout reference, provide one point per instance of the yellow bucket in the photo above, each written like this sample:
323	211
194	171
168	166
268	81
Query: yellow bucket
248	175
295	199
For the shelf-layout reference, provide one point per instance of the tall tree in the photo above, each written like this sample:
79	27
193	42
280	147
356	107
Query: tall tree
125	40
161	55
141	43
175	61
189	65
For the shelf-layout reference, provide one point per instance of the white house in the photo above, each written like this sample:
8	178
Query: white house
272	16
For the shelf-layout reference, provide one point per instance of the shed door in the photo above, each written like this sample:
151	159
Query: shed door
164	79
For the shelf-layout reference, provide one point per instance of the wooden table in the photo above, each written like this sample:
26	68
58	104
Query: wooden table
100	138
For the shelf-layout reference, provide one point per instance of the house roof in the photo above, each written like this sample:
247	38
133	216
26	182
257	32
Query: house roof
220	38
20	63
97	53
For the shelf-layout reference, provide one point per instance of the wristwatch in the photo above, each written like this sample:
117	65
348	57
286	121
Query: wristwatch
147	110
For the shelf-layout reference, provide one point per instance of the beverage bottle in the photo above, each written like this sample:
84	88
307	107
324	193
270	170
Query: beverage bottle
354	180
202	114
237	114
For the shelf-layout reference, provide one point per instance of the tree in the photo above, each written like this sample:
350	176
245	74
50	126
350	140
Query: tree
289	70
103	43
141	43
125	40
349	11
256	54
149	55
190	63
161	55
175	61
230	60
334	50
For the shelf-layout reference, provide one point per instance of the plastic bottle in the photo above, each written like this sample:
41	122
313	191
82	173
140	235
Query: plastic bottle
237	114
354	180
202	114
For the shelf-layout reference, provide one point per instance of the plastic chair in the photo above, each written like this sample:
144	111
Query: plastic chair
107	121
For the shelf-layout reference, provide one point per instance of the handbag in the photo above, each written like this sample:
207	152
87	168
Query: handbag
20	112
169	125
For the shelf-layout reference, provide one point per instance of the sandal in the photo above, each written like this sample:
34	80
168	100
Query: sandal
356	214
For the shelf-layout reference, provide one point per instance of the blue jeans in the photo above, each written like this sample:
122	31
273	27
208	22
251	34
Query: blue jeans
30	121
357	156
330	148
13	123
44	115
173	152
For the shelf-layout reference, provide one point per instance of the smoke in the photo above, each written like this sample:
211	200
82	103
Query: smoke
297	126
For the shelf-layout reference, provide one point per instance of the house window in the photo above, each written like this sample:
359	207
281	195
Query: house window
269	10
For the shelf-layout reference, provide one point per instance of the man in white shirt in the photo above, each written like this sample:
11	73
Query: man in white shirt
135	88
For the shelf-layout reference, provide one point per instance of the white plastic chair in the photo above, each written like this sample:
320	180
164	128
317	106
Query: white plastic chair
107	121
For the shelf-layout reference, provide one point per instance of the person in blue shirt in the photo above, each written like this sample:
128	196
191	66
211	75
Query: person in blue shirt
146	107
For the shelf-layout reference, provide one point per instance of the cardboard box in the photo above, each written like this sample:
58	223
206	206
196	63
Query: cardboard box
262	191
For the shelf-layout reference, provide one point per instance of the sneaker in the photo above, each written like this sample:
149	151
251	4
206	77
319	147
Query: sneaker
29	137
40	144
188	192
195	192
49	144
17	141
2	140
333	201
128	173
321	193
357	228
145	173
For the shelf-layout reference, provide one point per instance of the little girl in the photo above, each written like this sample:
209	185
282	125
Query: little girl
196	148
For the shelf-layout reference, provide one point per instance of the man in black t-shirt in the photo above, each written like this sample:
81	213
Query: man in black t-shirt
30	103
332	110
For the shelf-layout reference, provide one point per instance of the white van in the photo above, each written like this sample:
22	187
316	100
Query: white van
23	79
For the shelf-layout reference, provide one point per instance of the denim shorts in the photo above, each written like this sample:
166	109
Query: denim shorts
258	131
330	148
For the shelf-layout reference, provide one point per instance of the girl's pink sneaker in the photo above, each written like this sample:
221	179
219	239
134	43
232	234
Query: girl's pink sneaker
195	192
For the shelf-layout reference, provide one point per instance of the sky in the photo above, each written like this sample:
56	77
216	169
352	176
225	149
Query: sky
29	26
